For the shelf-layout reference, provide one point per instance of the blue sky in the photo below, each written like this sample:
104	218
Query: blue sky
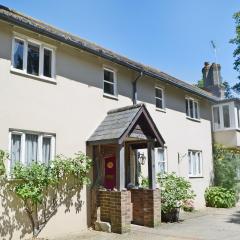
172	35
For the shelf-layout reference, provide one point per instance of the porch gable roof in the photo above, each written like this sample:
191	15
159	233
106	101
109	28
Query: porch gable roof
119	123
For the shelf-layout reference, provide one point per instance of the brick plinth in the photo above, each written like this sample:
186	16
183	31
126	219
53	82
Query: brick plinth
146	207
115	209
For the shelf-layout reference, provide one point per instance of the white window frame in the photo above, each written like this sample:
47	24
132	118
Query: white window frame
114	83
232	117
163	98
23	143
188	115
198	173
42	46
165	158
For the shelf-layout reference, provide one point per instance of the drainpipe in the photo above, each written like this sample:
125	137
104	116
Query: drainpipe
135	88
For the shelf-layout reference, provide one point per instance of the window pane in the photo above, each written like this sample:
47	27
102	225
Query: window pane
15	149
194	163
33	60
158	93
187	107
47	63
216	117
226	117
196	110
31	148
18	54
46	150
189	163
159	103
191	108
238	117
108	76
160	160
199	163
108	88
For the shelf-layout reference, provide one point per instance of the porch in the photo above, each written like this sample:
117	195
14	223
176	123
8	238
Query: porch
115	190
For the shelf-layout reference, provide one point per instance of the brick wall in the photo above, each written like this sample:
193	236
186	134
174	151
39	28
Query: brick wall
146	207
115	208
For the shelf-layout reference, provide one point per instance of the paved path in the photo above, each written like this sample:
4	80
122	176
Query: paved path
209	224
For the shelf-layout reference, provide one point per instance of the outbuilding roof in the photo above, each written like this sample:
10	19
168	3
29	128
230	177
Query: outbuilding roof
119	123
32	24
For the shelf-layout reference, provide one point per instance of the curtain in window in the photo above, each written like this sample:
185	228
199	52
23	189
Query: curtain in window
31	148
15	149
46	150
160	161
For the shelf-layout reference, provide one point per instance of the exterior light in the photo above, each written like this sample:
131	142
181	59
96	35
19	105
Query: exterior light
141	158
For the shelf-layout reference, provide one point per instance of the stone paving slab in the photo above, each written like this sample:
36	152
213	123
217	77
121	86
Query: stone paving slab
207	224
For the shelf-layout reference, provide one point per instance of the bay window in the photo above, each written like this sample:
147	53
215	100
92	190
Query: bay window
224	117
27	147
33	58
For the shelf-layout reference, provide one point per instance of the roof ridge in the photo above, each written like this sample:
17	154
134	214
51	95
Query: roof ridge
122	109
43	28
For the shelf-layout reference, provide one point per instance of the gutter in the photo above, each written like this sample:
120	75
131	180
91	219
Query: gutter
99	53
135	88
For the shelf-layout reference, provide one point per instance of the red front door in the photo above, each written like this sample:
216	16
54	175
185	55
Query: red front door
110	172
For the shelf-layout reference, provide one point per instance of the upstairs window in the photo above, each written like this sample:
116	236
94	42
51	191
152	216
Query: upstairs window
223	117
27	147
159	98
109	82
33	58
195	163
192	108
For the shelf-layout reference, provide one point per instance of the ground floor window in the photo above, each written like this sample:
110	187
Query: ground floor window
161	160
195	163
27	147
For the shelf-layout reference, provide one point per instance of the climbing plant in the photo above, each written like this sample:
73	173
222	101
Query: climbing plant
3	158
43	188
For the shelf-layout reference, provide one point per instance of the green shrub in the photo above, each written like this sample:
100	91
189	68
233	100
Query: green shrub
219	197
226	166
175	191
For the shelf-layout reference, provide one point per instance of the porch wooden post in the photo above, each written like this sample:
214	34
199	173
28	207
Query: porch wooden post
151	165
120	167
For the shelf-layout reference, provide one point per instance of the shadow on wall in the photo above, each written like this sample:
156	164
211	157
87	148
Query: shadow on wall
14	220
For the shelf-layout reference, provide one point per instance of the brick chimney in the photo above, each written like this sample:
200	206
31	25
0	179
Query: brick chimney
212	79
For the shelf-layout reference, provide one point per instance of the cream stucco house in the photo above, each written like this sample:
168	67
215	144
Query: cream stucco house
56	89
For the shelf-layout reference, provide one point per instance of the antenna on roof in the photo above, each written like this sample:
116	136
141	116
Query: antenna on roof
213	45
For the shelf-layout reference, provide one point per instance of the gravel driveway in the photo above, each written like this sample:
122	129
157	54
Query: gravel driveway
208	224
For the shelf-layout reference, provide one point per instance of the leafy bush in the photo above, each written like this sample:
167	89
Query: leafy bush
175	191
219	197
188	206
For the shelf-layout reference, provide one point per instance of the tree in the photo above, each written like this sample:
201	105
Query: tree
236	52
43	188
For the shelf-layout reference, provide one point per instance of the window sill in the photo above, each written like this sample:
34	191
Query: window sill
163	110
195	176
193	119
40	78
110	96
226	129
